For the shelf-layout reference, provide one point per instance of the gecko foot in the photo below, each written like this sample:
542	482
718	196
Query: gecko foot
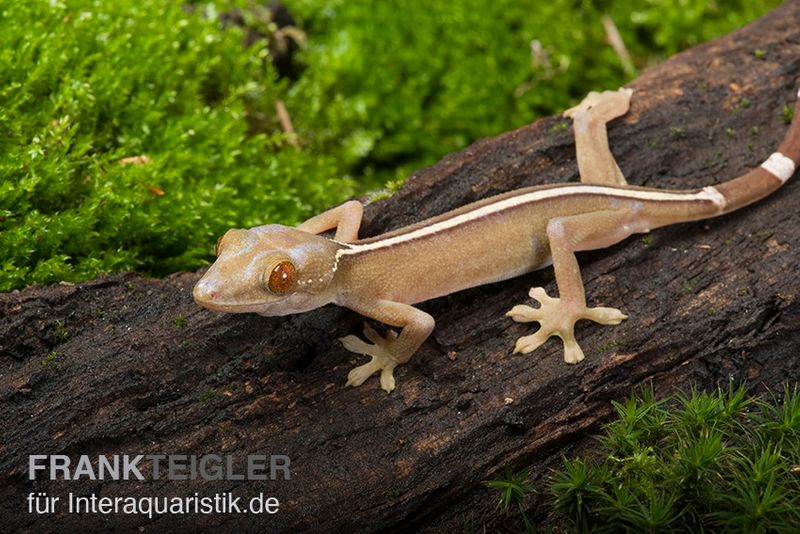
381	354
557	318
606	105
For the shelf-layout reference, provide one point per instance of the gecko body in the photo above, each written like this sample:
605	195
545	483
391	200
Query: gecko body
278	270
455	245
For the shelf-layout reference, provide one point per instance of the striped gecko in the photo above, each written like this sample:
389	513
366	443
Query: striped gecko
277	270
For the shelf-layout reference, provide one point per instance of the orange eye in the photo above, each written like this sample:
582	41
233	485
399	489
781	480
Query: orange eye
281	278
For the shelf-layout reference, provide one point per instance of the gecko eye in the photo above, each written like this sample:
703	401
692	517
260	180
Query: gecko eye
281	278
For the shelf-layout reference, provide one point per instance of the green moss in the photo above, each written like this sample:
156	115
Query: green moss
611	345
400	86
691	284
125	141
180	320
717	461
209	394
392	494
61	331
787	113
744	103
513	487
50	360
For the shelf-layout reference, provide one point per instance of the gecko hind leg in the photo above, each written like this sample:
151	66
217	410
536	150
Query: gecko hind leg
554	322
596	163
557	316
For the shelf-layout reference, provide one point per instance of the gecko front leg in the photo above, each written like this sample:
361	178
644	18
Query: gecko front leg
390	351
346	218
557	316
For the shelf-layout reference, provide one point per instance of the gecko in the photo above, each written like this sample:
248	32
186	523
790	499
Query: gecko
276	270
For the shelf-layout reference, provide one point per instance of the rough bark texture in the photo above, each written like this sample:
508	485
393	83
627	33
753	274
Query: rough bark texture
130	365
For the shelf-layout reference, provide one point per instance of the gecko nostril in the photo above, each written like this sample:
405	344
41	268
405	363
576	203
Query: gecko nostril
203	293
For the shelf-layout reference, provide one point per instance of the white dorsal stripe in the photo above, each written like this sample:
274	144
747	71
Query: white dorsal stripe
707	194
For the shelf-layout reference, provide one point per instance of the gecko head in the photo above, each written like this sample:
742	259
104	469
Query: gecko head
271	270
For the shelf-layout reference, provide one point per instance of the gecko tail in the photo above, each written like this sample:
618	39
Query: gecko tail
771	175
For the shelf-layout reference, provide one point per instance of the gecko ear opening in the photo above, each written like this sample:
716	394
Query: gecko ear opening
280	278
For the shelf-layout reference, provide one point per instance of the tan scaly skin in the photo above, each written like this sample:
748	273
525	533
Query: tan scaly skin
277	270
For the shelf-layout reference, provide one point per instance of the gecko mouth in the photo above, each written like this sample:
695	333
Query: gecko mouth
227	307
257	307
207	296
214	304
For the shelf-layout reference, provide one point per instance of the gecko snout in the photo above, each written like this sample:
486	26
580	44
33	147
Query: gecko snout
204	292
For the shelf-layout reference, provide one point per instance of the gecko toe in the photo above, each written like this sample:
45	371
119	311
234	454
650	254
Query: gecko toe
572	351
607	316
527	344
387	379
359	375
524	314
355	344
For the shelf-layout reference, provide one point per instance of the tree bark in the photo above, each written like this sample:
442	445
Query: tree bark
130	365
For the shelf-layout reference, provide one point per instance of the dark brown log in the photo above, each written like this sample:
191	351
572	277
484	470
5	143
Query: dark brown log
126	365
